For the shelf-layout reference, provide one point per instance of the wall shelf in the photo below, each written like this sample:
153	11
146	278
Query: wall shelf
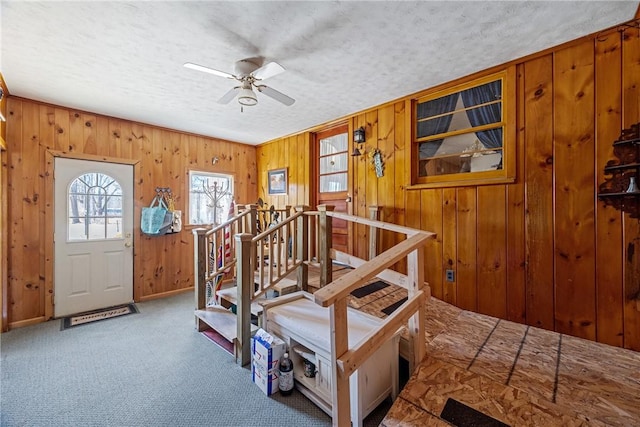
613	192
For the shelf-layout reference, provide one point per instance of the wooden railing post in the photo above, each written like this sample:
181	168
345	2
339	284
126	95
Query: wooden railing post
302	249
340	399
252	226
374	213
200	270
326	230
415	266
244	281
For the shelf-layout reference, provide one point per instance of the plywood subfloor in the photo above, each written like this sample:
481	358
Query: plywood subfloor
517	374
520	375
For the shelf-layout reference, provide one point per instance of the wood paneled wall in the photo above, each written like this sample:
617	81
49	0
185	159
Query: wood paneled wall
544	250
4	247
37	132
293	153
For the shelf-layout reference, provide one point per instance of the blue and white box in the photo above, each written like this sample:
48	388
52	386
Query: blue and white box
266	352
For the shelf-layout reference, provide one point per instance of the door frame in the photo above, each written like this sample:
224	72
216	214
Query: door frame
49	220
315	168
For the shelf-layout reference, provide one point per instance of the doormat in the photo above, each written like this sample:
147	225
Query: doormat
461	415
96	315
368	289
218	339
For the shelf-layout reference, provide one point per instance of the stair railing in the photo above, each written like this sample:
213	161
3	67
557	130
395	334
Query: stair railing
214	251
346	360
266	259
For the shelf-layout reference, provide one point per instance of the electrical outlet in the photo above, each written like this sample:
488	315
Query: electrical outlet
451	276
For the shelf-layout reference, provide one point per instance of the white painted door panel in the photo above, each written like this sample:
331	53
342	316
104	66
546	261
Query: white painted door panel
92	270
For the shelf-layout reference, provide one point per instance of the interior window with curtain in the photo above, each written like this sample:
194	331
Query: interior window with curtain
462	130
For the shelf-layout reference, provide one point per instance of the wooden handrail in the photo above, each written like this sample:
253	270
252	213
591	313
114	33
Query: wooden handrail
340	288
227	222
345	360
351	360
378	224
280	224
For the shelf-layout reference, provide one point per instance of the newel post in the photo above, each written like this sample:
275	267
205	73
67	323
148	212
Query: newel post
374	213
326	231
244	281
415	266
302	248
200	271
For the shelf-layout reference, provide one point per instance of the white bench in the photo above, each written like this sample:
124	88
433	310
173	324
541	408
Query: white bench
304	326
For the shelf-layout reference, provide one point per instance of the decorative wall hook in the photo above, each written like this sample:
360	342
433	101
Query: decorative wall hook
376	160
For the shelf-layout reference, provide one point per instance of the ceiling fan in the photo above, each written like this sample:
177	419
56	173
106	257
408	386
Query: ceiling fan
249	73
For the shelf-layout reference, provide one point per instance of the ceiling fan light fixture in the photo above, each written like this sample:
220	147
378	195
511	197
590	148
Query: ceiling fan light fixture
247	97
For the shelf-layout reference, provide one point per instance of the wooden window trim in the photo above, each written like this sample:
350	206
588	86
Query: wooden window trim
505	175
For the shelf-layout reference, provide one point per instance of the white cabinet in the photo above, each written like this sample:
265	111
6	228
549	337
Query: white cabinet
304	326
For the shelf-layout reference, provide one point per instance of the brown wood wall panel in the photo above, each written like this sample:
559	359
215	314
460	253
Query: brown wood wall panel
491	247
400	163
449	244
631	115
431	211
466	249
574	189
386	184
538	93
161	264
609	248
542	250
515	227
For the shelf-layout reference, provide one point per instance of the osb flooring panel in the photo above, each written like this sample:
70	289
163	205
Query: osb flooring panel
521	375
424	397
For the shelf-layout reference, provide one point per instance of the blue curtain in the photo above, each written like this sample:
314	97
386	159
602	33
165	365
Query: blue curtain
443	105
488	114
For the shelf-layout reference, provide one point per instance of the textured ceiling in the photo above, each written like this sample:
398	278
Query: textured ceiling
125	59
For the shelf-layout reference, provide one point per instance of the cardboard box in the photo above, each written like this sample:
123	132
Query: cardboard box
266	352
267	381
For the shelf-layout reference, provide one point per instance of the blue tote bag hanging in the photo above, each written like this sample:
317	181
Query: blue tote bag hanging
156	218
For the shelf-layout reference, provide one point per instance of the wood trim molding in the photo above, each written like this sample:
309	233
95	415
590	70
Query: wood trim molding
49	249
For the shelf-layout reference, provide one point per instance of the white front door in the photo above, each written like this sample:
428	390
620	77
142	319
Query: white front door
93	240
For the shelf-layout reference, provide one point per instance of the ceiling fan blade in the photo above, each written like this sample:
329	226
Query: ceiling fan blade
227	97
268	70
277	95
208	70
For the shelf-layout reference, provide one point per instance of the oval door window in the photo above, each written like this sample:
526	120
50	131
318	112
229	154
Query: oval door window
95	208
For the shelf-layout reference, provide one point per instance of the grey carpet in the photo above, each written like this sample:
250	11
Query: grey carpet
151	369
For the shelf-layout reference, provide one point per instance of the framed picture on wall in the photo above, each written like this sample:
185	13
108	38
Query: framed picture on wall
277	181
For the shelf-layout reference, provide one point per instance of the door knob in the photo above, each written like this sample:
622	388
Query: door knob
127	244
348	199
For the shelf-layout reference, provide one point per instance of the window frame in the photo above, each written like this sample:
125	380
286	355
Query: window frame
190	172
505	175
88	196
344	172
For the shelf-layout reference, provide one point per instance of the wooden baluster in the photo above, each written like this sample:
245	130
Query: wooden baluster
302	249
374	213
416	322
326	230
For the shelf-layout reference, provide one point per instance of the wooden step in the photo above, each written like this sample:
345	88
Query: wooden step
283	287
222	321
230	295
